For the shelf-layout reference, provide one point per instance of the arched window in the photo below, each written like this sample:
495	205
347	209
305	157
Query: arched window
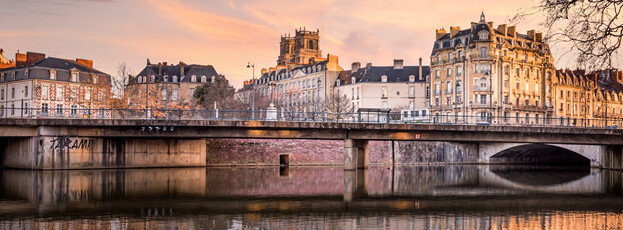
483	35
310	44
411	78
193	78
166	78
483	82
203	79
384	78
353	80
174	79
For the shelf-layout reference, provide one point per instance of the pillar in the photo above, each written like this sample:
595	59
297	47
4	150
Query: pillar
612	157
355	154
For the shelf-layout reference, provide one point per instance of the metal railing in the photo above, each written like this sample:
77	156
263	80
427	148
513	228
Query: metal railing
315	116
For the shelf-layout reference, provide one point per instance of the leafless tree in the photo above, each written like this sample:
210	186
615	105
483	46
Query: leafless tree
339	106
591	29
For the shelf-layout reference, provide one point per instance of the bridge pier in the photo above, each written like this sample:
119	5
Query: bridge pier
612	156
356	154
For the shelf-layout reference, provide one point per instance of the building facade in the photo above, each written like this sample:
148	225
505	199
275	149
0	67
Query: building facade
487	74
53	87
171	87
398	88
300	83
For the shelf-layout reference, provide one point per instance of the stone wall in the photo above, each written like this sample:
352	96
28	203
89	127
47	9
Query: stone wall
330	152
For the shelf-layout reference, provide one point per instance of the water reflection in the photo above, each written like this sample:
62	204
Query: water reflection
432	197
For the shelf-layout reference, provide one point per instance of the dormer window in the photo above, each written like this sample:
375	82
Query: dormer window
411	78
153	78
94	79
174	79
213	79
353	80
203	79
337	82
483	35
193	78
13	75
52	74
384	78
165	78
74	77
26	74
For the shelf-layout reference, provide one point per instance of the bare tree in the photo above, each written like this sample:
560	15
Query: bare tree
339	106
591	29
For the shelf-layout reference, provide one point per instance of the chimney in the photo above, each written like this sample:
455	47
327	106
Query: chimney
420	70
530	34
160	68
539	37
164	63
398	64
182	64
245	83
502	29
20	59
354	67
272	69
85	62
454	31
511	31
1	52
264	70
439	33
32	57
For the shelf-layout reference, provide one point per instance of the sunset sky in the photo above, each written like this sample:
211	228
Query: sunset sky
228	34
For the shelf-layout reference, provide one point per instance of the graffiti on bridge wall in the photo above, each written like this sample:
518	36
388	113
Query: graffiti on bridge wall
71	143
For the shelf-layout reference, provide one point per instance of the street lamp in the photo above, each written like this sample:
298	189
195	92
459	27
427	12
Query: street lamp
318	101
249	65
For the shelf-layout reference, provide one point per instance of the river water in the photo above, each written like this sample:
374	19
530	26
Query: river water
414	197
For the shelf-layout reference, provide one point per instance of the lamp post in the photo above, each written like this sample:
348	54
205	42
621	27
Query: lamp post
249	65
318	101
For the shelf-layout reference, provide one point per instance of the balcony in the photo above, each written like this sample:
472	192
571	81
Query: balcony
436	92
448	91
480	89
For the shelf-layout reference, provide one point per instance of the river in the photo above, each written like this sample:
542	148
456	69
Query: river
405	197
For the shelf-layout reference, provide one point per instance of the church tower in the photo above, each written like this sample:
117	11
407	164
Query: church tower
303	48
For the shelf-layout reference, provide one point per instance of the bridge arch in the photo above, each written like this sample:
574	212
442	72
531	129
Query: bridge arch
529	153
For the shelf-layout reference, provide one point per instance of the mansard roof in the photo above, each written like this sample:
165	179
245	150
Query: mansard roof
375	74
58	64
175	70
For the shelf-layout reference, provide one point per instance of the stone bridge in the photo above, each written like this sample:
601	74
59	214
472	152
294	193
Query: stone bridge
76	143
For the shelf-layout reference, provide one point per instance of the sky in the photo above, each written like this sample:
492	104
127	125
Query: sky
230	33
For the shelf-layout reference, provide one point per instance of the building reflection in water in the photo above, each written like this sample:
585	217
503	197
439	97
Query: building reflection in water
430	197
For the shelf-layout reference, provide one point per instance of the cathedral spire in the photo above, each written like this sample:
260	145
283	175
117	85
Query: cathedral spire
482	17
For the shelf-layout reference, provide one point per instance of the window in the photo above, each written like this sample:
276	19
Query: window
44	109
476	68
12	92
411	91
94	79
385	104
12	109
448	100
449	86
352	93
483	67
191	92
527	118
204	79
437	75
527	87
411	78
506	70
174	95
527	102
52	75
459	87
449	72
153	78
74	77
536	88
59	110
483	35
483	99
484	52
87	94
416	113
483	115
384	92
459	71
74	111
1	94
25	109
450	56
383	78
44	92
165	78
174	79
25	91
423	113
59	93
483	82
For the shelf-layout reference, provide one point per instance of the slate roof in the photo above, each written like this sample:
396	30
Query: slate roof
59	63
375	73
175	70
